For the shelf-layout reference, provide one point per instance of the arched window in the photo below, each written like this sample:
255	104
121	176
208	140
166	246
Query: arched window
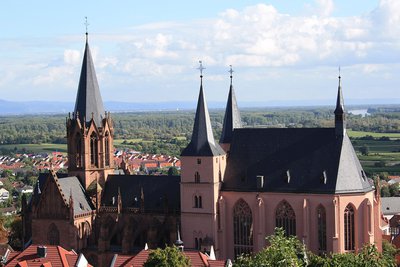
107	150
78	146
196	243
197	177
321	217
53	235
94	150
286	218
242	228
196	202
349	231
200	202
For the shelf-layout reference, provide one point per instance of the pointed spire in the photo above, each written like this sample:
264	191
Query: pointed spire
340	123
88	99
202	142
232	118
179	242
212	254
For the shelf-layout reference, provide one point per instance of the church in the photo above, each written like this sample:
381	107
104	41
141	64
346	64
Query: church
230	195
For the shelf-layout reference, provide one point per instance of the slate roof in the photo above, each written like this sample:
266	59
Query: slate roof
232	118
390	205
158	191
67	184
313	160
202	142
81	203
339	101
88	98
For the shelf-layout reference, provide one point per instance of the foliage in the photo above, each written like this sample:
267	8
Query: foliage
288	251
173	171
168	257
282	251
15	236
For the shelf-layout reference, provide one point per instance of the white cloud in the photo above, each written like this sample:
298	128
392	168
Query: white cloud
72	57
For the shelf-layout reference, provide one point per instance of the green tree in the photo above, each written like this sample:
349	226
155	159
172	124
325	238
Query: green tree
168	257
364	150
15	236
173	171
282	251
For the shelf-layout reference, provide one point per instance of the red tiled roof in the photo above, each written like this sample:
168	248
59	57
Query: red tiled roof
56	257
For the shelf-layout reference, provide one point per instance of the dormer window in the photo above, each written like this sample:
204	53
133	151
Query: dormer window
324	177
287	176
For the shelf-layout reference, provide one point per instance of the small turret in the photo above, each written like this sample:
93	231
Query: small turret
340	119
232	118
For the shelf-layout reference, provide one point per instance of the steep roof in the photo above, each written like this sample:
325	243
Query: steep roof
232	118
88	99
294	160
158	191
202	142
339	101
72	185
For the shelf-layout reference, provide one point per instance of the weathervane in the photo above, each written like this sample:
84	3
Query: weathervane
201	68
231	72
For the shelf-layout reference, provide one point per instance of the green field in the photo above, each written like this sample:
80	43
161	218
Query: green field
37	148
358	134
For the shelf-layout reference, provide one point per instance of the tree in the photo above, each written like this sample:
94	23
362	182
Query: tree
283	251
364	150
173	171
168	257
15	236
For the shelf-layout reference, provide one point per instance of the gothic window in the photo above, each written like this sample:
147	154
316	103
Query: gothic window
94	150
200	202
196	243
53	235
286	218
107	150
349	231
242	228
78	143
198	161
321	217
197	177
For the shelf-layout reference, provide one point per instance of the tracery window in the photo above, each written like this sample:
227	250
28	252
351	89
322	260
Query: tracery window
53	235
78	154
94	150
198	202
107	150
286	218
321	217
349	231
242	228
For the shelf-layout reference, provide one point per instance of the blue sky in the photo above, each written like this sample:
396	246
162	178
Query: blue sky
147	51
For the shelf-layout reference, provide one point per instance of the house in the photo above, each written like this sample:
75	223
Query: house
37	255
4	194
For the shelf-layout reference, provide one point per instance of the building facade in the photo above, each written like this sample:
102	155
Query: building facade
231	194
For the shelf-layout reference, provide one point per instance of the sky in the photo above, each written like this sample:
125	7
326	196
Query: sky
148	51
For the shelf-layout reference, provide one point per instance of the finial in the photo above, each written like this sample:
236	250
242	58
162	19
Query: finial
201	68
231	72
339	73
86	25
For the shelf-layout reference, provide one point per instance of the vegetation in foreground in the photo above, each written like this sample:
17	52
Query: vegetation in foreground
288	251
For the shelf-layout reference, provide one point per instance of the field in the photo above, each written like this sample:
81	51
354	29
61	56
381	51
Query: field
383	154
36	148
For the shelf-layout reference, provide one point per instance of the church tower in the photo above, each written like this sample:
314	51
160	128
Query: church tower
203	166
90	131
340	119
232	118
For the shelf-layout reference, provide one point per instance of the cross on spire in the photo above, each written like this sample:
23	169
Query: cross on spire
201	68
231	72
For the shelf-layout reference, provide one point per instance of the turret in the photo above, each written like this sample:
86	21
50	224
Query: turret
340	118
232	118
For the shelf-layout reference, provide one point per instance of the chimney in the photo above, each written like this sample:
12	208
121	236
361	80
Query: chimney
41	251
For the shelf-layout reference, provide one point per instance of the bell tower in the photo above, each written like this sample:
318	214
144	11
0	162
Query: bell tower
203	166
90	131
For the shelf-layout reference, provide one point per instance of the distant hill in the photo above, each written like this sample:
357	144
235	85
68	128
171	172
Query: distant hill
50	107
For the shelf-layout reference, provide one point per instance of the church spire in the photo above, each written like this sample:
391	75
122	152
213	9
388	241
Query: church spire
232	118
340	122
202	142
88	103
